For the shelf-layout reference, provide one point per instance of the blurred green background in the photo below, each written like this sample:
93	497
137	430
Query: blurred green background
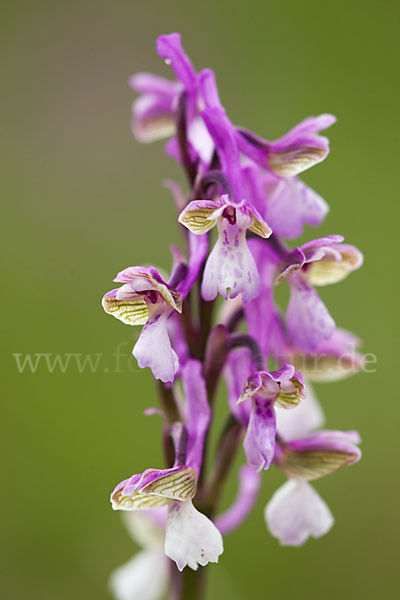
78	192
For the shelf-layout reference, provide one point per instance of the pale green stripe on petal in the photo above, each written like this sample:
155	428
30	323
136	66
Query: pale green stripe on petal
311	465
131	310
292	162
177	486
199	219
138	501
260	228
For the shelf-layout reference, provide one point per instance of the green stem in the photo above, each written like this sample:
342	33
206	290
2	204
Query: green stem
193	584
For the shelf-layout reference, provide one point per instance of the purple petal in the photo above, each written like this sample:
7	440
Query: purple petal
198	248
141	278
291	154
312	249
237	369
153	118
333	359
170	49
154	85
264	322
208	89
197	412
328	439
290	205
222	132
233	517
308	320
301	148
259	443
178	340
144	279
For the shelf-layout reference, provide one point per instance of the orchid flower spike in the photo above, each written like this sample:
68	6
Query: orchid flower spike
236	182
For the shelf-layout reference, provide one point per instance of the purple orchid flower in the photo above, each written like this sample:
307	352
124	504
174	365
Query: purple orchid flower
298	150
323	261
284	387
146	299
153	113
230	268
190	537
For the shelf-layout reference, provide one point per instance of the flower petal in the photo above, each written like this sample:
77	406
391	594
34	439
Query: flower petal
153	118
135	580
236	371
126	497
320	454
301	421
333	360
296	512
249	485
147	527
178	483
153	349
300	148
259	443
197	216
308	320
230	269
191	539
222	132
290	204
169	47
132	310
154	85
143	279
197	412
259	226
334	267
198	248
285	386
154	487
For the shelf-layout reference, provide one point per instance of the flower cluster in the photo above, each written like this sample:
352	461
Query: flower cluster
247	189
